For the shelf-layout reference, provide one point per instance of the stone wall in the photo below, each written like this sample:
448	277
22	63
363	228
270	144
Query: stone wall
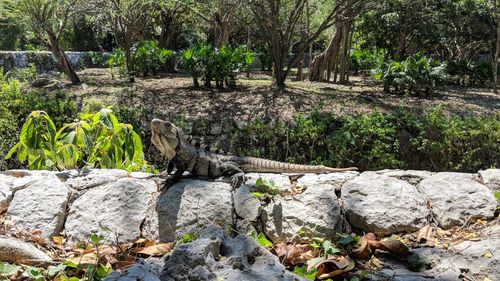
383	202
45	61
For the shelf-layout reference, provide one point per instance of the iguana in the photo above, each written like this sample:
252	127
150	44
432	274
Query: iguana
185	156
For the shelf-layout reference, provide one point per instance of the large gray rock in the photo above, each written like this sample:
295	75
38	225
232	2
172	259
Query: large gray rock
383	205
215	256
40	206
191	205
84	179
411	176
6	191
335	180
14	250
491	178
456	198
314	212
120	206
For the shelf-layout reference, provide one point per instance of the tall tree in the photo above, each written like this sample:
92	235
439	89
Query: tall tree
128	20
495	50
336	56
277	20
48	19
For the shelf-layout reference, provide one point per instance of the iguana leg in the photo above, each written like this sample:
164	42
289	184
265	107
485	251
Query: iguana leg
175	177
237	175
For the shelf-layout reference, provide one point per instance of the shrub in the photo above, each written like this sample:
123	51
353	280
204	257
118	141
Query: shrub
364	60
470	72
402	140
149	58
96	140
415	75
212	64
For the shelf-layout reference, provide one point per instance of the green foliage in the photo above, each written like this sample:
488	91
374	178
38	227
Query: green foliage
27	74
212	64
117	59
470	72
365	60
400	140
415	75
186	238
302	271
149	58
261	239
96	140
264	188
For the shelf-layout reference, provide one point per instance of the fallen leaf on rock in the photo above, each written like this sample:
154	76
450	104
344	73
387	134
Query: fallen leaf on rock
392	246
332	267
89	258
59	240
363	251
154	250
426	235
293	254
488	254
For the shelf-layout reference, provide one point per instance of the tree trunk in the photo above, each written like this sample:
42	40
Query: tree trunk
60	55
322	62
496	56
343	72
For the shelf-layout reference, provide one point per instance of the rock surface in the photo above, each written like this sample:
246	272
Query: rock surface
383	205
491	178
120	206
14	250
190	205
40	206
456	198
215	256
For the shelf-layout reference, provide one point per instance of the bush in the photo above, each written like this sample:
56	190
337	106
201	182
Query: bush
415	75
212	64
470	72
96	140
148	59
400	140
16	104
364	60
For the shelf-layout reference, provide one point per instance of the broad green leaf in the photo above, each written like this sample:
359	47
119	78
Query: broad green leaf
7	269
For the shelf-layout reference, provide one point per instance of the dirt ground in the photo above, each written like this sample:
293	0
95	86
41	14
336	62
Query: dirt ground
174	94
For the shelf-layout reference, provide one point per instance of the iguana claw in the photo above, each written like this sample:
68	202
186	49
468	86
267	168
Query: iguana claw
237	180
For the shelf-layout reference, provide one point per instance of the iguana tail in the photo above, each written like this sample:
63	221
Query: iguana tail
251	164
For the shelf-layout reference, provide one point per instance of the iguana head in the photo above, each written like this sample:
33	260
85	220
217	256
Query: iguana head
166	137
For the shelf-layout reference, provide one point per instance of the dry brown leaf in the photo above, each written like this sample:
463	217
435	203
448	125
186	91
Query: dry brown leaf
59	240
89	258
363	251
329	268
392	245
155	250
426	235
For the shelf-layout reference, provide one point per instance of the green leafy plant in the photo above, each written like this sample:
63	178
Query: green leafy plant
96	140
211	64
415	75
261	239
264	188
365	60
117	59
149	58
186	238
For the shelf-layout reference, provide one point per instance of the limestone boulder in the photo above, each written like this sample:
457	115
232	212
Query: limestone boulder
491	178
117	208
190	206
383	205
84	179
40	205
335	180
244	259
456	198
